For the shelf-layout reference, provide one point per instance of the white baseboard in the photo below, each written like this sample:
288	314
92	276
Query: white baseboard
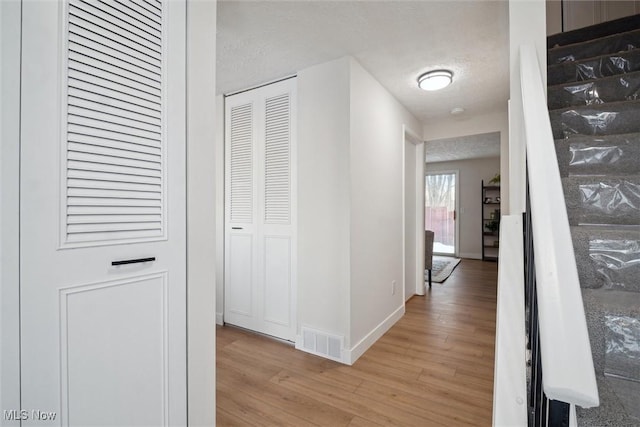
469	255
350	356
219	319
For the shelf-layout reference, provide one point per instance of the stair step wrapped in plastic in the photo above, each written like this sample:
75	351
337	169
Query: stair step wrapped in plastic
607	257
603	119
592	48
613	320
599	155
594	68
602	200
625	87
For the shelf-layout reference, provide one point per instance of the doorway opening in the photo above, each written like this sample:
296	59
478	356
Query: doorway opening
440	211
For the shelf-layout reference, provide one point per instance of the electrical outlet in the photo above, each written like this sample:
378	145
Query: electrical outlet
393	287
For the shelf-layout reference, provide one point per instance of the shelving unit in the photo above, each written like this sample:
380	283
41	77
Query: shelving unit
490	221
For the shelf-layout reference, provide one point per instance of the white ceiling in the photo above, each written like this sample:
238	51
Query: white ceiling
463	148
260	41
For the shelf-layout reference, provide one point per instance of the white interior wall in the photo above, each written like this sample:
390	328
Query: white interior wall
324	198
200	204
410	231
377	143
527	24
219	207
497	121
350	203
420	165
471	172
10	19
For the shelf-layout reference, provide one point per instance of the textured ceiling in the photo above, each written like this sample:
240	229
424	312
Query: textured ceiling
463	148
260	41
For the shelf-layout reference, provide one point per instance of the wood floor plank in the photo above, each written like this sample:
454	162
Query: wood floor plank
433	367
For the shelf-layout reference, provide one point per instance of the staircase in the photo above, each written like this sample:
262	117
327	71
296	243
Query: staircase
594	104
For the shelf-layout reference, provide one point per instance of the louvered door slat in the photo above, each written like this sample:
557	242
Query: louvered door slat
80	54
98	201
122	104
111	177
114	155
113	227
132	101
113	152
87	122
131	8
241	173
85	41
107	219
134	9
112	194
85	109
125	81
144	8
132	117
80	211
277	191
152	4
101	133
113	37
123	19
117	169
98	79
85	183
140	39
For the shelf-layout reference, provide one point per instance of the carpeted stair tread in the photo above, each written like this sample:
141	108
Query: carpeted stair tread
592	92
618	400
588	49
604	119
607	312
594	101
602	29
594	68
599	155
602	199
599	303
607	257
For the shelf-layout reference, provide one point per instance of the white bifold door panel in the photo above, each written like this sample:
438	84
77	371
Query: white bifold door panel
260	237
103	279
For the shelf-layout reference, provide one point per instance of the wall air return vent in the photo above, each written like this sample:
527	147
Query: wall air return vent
321	344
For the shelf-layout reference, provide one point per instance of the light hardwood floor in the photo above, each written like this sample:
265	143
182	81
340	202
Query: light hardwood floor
433	367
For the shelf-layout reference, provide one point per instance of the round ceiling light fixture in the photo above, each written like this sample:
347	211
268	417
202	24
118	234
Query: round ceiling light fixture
435	80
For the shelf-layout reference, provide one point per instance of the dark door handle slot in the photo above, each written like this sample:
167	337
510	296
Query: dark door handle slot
236	228
133	261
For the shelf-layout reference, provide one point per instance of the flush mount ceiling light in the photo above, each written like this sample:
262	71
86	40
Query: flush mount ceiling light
435	80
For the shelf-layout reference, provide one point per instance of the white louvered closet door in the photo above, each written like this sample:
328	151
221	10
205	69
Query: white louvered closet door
260	238
103	278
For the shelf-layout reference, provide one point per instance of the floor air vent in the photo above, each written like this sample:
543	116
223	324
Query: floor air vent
322	344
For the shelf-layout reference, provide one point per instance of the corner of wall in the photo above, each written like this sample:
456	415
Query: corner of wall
324	197
219	205
201	232
351	355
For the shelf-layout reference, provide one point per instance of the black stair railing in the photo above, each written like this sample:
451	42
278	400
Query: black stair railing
542	412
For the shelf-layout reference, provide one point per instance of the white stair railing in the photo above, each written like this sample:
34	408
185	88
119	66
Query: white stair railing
567	363
509	379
